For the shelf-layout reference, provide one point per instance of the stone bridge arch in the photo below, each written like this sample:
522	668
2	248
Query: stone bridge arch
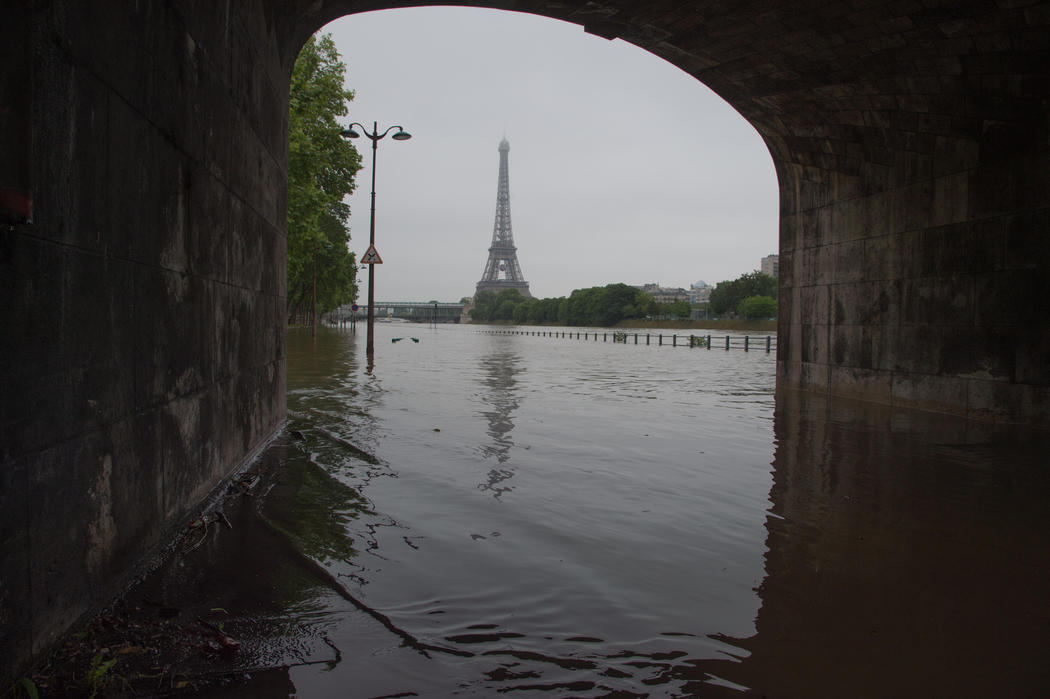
142	165
910	142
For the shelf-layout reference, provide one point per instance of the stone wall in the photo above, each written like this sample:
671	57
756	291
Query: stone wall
142	341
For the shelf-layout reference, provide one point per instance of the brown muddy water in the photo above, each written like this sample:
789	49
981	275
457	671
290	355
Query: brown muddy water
497	515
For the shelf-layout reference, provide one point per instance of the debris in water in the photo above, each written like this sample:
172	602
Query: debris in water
247	481
219	642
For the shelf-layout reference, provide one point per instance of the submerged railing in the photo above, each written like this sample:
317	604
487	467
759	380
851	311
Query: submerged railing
744	342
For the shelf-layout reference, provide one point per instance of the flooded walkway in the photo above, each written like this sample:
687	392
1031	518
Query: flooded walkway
473	516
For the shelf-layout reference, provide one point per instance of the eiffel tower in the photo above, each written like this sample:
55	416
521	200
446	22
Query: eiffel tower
502	271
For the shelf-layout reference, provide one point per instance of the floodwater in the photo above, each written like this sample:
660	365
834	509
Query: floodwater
487	514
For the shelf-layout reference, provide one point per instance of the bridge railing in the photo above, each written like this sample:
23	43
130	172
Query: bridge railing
415	310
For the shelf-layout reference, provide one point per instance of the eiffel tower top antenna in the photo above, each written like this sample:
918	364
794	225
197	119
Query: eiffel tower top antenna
502	270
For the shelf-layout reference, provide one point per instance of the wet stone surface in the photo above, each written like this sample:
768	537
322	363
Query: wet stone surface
233	604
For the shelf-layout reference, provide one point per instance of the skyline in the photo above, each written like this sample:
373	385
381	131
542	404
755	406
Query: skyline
622	167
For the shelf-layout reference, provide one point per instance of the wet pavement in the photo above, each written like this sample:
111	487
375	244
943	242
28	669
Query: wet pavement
231	604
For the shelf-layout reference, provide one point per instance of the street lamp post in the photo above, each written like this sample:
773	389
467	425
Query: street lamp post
375	137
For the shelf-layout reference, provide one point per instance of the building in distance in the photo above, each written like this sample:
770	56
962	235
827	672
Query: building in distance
771	265
662	294
700	292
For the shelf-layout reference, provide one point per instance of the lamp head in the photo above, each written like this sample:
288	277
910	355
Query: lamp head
401	136
349	133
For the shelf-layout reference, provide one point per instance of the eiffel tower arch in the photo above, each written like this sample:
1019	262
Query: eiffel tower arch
502	270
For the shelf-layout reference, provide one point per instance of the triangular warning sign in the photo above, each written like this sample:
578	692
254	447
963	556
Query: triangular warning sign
371	257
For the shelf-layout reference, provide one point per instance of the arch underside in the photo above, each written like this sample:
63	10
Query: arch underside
910	142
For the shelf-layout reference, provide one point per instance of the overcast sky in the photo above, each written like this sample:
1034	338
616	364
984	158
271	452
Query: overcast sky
623	168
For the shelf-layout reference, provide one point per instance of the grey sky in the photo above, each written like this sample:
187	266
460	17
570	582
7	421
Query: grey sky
622	167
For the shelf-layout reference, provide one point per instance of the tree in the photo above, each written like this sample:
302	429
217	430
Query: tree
598	305
727	295
617	302
321	169
757	307
679	309
603	305
484	305
524	309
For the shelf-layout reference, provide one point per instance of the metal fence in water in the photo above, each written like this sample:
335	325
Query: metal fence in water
747	343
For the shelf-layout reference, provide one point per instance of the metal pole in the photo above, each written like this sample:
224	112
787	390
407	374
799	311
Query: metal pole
370	341
313	310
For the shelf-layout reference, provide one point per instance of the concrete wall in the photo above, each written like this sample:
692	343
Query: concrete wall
142	342
142	337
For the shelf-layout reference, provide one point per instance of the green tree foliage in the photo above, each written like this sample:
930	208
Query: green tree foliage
726	296
605	305
678	309
546	310
484	307
757	307
321	169
599	305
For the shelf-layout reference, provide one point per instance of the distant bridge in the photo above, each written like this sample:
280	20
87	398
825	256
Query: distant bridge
418	311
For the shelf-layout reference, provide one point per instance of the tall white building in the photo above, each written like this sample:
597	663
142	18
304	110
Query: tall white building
771	265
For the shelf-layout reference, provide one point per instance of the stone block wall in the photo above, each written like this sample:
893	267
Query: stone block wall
143	348
932	293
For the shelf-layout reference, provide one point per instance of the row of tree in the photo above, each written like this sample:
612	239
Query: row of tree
751	295
600	306
322	167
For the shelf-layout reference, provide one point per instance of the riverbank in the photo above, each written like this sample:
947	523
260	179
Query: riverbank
218	610
758	326
763	326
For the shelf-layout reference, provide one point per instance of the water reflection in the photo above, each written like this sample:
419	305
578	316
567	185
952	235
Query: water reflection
257	573
897	554
331	386
499	369
908	555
